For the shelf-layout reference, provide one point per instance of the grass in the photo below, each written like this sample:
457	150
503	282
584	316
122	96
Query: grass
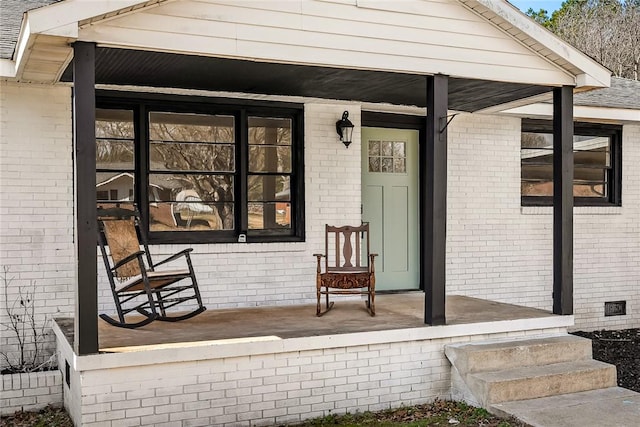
438	413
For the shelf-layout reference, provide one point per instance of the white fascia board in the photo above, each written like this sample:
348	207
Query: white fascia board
25	41
594	74
517	103
52	18
7	68
580	112
58	19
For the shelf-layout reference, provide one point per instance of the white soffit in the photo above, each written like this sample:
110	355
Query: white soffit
580	113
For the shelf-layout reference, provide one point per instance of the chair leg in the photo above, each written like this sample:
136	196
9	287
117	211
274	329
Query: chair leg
329	305
372	302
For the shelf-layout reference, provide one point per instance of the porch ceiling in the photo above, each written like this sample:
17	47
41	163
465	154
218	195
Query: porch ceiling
167	70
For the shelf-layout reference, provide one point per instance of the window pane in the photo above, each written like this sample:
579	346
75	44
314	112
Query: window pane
114	186
537	140
269	158
592	160
269	131
191	127
192	157
269	216
189	216
374	164
188	197
269	188
387	156
114	139
374	148
269	144
114	124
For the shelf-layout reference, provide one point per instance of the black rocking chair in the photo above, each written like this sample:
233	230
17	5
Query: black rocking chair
138	286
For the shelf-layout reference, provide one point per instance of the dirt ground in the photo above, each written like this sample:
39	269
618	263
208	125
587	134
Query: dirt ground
620	348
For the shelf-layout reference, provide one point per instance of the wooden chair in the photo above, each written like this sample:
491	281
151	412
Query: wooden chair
138	286
348	266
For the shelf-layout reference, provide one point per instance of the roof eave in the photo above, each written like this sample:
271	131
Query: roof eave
580	113
592	75
58	19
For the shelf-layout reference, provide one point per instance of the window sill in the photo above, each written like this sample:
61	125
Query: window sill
577	210
241	248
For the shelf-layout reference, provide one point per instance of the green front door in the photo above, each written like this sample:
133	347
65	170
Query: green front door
390	205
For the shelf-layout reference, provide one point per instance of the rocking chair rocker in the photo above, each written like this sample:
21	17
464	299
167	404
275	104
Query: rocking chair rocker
136	283
348	267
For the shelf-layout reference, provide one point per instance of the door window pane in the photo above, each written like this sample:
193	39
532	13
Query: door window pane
387	156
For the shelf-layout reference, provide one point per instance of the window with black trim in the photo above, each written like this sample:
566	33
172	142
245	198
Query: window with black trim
597	155
203	171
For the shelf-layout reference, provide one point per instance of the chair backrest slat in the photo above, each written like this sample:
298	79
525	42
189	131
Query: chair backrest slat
347	248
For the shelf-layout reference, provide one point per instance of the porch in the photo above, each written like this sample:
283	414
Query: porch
275	365
402	311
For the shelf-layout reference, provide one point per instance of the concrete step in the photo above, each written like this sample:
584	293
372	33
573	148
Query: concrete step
608	407
482	357
532	382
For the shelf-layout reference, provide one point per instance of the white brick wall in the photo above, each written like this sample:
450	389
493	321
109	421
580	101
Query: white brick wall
498	250
249	275
30	391
262	386
36	200
493	251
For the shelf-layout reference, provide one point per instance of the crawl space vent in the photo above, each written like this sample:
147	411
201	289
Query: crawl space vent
615	308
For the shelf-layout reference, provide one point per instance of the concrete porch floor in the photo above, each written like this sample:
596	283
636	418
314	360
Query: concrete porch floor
393	311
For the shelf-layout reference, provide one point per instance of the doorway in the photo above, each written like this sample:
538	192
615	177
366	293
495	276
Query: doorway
390	204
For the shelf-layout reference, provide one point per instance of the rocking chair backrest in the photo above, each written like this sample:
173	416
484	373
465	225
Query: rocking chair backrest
118	229
347	249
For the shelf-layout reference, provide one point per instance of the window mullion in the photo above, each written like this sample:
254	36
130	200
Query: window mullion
242	174
142	164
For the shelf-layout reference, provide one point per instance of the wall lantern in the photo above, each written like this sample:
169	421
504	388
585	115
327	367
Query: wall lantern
344	127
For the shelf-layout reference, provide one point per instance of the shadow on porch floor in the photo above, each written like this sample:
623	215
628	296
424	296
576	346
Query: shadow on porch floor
393	311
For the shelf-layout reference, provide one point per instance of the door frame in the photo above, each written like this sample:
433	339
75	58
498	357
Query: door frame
419	123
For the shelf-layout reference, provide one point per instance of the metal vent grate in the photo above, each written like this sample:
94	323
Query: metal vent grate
615	308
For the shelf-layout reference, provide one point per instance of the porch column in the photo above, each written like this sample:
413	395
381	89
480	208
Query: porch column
84	149
435	201
563	200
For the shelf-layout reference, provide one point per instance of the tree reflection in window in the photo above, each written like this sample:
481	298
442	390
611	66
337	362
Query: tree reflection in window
192	158
115	157
270	170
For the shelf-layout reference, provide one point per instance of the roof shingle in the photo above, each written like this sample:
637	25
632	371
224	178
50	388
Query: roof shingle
623	93
11	12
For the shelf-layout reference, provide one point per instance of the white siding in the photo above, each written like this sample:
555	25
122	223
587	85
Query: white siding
424	37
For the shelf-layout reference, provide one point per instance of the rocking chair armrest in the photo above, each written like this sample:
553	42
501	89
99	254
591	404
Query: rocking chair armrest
184	252
319	257
372	266
127	259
